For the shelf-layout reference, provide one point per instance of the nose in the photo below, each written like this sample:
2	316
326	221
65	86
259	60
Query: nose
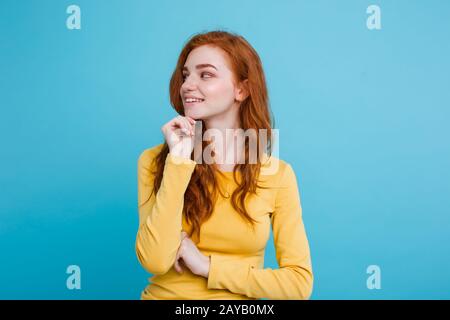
189	84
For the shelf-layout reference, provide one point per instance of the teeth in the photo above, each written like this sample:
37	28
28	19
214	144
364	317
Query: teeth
193	100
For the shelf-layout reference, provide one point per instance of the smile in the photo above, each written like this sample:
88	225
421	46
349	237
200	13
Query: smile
191	101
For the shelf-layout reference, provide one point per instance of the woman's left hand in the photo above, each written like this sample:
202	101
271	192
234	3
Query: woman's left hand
191	257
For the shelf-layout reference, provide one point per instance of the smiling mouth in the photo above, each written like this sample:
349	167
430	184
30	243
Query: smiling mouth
190	103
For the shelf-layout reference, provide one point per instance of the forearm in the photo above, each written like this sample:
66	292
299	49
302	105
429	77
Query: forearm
158	237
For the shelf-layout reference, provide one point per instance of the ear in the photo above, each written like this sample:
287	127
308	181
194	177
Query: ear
242	91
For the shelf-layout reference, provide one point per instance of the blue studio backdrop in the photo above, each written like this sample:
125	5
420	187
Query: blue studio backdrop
363	114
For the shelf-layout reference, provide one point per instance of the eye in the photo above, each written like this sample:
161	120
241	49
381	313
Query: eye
207	74
203	73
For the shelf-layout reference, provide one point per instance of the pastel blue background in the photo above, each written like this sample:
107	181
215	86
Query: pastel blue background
363	118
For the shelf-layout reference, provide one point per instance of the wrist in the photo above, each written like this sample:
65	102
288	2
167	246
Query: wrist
180	154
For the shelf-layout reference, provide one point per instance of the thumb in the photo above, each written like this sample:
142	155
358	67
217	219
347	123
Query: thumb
177	264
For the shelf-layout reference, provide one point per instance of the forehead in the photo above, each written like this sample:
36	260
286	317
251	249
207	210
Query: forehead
207	54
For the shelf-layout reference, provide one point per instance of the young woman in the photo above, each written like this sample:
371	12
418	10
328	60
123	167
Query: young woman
205	217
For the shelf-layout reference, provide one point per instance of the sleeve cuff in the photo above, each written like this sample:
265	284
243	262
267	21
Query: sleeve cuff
173	159
227	273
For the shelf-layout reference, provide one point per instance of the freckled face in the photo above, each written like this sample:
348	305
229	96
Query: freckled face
207	76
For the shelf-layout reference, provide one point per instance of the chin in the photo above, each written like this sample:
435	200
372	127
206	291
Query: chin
194	115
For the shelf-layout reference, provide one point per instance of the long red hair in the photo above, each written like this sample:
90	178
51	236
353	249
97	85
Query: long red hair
203	188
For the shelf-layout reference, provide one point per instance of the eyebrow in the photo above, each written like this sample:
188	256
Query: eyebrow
201	66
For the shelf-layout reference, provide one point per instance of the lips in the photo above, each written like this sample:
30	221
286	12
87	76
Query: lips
191	103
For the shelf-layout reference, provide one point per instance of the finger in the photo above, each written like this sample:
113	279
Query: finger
177	264
176	123
192	121
178	267
181	125
189	125
187	121
184	125
186	131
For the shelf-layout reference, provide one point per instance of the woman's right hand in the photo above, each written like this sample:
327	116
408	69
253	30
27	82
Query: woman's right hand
179	134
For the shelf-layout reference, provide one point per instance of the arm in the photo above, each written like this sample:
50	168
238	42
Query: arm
294	278
160	218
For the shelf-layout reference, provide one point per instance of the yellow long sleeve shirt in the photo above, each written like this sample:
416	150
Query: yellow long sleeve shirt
236	251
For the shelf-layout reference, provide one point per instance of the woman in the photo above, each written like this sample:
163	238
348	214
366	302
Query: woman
204	221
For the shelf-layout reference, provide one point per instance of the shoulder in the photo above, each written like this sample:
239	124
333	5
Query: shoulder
275	167
147	156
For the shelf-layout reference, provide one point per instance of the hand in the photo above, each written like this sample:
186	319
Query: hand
179	135
191	257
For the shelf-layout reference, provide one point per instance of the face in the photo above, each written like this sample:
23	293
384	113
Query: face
208	77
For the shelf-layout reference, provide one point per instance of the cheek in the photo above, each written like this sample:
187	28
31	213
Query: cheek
219	93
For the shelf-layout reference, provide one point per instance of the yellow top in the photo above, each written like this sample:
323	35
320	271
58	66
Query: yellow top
236	251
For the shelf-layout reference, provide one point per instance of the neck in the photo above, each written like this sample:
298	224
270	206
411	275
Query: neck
227	124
